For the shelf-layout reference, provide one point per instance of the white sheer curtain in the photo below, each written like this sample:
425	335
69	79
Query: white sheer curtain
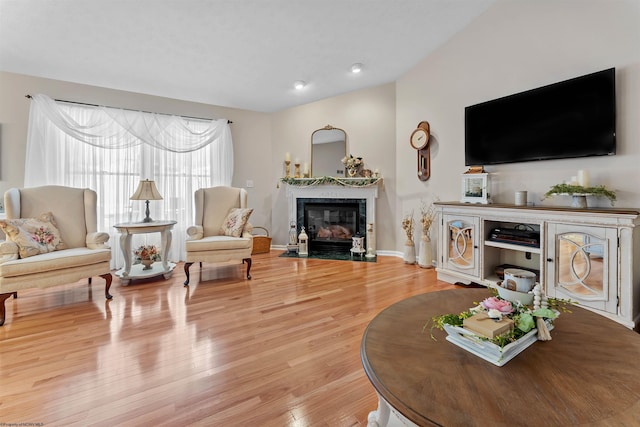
109	150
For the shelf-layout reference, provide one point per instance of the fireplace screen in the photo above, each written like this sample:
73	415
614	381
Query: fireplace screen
331	224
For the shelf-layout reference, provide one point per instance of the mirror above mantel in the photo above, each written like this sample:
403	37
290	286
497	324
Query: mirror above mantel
328	148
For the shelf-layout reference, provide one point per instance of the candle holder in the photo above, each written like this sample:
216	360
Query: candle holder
297	165
287	170
371	241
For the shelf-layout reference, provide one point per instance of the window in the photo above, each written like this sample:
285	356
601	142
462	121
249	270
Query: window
111	150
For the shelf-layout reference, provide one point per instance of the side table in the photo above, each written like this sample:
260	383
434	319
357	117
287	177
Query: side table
130	272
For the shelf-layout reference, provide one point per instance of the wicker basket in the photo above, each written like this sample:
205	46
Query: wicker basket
261	244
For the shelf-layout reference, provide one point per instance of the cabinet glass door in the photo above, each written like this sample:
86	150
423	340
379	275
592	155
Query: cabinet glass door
461	243
585	263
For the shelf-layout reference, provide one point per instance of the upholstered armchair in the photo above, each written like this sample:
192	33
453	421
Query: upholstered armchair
51	239
221	232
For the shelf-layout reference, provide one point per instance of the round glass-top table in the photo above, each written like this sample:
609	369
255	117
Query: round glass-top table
588	374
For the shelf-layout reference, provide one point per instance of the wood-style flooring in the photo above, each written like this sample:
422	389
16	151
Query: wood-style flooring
282	349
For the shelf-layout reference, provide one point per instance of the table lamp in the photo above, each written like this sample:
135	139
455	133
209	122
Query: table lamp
146	191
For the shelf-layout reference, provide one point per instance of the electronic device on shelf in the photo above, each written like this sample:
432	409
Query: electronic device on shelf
516	236
571	118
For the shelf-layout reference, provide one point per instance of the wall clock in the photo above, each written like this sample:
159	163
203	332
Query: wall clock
420	141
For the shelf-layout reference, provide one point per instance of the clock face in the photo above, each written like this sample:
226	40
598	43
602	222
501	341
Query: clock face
419	139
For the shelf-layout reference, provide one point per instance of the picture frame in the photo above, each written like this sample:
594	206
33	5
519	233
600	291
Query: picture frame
475	188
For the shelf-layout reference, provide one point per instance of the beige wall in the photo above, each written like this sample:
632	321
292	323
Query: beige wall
515	46
368	118
248	130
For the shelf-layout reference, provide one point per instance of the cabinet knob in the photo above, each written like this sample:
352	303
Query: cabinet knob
549	260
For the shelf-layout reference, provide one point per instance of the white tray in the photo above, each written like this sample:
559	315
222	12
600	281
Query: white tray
489	351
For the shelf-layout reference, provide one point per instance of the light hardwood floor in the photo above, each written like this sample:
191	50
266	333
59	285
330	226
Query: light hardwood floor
282	349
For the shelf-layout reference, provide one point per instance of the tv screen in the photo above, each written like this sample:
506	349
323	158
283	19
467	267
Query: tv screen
573	118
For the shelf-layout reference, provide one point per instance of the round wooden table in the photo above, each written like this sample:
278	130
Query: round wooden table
588	374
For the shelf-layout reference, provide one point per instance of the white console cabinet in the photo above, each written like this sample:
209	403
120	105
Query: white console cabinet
590	256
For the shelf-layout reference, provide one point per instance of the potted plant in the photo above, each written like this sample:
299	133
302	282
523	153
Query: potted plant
579	193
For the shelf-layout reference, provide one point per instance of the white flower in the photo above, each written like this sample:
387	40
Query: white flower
494	314
477	309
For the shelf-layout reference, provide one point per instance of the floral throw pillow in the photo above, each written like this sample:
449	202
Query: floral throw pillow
33	235
235	221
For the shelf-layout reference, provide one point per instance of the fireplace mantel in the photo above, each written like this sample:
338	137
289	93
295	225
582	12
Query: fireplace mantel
356	188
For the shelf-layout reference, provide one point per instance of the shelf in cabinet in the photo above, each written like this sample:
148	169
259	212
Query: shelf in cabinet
511	246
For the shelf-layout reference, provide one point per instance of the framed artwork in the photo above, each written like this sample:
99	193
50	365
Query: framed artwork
475	188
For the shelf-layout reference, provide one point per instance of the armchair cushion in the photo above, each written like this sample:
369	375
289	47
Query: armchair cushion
33	236
234	223
55	261
218	243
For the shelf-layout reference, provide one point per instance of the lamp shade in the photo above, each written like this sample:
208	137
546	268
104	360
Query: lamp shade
146	191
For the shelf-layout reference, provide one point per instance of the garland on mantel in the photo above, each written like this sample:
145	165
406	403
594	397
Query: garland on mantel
323	180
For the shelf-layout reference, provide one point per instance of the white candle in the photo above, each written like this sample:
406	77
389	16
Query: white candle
583	178
573	181
297	162
305	167
287	157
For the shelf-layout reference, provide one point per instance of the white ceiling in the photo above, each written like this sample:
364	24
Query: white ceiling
235	53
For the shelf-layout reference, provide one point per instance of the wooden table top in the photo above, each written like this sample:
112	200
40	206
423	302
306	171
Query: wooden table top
588	374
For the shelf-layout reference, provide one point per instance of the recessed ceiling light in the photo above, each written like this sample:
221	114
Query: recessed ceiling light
299	84
356	68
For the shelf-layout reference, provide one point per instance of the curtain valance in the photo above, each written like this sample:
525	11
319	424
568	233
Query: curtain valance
109	128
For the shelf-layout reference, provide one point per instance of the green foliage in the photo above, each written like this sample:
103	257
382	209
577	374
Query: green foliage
345	182
525	322
599	190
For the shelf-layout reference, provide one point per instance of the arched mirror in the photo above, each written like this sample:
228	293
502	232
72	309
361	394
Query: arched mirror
328	148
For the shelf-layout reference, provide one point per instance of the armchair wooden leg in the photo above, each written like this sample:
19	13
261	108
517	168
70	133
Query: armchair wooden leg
3	298
248	261
186	271
108	278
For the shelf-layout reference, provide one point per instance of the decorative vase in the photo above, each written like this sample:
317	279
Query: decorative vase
353	171
425	256
147	264
409	252
579	201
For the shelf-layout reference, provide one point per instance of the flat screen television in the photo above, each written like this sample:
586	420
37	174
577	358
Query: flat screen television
572	118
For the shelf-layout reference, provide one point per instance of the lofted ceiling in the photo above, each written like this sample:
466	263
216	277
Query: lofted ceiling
234	53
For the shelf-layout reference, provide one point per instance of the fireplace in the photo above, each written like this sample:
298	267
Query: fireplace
330	202
331	223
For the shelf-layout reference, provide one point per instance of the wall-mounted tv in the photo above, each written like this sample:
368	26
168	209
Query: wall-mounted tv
572	118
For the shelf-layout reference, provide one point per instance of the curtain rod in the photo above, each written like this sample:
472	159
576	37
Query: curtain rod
128	109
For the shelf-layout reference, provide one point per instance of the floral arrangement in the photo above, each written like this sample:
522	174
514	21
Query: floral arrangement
427	216
407	226
599	190
353	164
43	236
524	317
145	252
